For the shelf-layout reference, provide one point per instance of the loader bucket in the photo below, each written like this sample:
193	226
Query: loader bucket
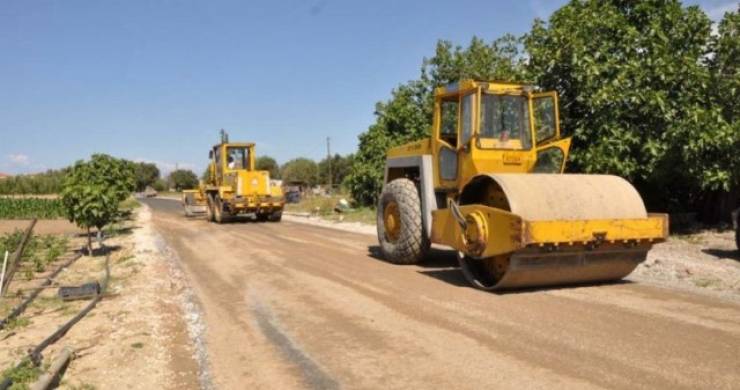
545	230
193	204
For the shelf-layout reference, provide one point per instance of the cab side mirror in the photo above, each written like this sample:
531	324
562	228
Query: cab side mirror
210	154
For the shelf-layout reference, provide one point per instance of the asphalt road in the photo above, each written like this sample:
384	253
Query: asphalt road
290	305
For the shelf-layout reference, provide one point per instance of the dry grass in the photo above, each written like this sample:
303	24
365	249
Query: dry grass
324	207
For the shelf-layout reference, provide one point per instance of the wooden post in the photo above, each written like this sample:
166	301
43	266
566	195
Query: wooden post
13	266
2	274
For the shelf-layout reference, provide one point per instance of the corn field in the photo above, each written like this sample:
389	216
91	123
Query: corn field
25	208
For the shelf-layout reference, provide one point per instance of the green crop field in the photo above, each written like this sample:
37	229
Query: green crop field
25	208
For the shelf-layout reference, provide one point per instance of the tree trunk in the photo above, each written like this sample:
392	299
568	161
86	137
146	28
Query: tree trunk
99	237
89	242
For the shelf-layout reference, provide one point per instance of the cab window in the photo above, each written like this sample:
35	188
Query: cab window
544	118
549	160
448	121
467	118
504	122
236	157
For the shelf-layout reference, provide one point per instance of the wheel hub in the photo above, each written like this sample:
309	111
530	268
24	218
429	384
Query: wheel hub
392	221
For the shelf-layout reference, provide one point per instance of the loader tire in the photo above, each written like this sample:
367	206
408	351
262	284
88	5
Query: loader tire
401	232
262	217
218	211
209	209
276	216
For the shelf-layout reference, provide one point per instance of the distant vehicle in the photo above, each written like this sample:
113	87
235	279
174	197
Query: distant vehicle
293	197
150	192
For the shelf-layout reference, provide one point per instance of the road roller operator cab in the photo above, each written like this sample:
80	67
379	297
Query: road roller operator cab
488	182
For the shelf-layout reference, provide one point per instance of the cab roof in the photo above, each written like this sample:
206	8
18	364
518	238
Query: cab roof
495	85
235	144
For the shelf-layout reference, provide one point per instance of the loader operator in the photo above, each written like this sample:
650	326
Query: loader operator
235	159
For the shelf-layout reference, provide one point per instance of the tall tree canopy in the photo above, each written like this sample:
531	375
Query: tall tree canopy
146	174
636	95
300	170
267	163
645	90
183	179
340	168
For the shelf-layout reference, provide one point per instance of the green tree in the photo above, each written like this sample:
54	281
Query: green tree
300	170
633	86
407	116
146	175
93	190
160	185
340	168
267	163
182	179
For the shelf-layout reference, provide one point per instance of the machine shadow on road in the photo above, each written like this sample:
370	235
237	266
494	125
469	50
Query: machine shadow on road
440	264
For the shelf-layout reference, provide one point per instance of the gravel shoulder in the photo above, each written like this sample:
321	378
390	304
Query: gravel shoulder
136	337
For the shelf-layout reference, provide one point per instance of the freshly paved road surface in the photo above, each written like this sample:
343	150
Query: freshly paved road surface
289	305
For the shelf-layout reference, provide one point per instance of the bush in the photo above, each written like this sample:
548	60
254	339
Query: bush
183	179
27	208
94	189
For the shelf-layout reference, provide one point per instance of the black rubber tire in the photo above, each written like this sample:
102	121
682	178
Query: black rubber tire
209	209
276	216
261	217
412	243
219	215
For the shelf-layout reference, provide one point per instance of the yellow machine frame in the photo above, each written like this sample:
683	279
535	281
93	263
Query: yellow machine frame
478	230
231	191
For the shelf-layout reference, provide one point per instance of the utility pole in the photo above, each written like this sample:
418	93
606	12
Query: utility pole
328	159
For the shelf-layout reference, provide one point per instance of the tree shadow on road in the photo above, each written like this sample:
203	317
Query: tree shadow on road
723	253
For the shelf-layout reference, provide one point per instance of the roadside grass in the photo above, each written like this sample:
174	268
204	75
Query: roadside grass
17	323
324	207
22	375
40	250
27	208
129	204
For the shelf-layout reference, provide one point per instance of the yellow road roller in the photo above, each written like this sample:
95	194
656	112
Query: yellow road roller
489	183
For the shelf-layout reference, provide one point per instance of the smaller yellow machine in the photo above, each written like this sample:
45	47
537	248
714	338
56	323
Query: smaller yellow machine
234	186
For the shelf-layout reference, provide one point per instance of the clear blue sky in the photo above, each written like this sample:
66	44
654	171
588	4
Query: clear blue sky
155	80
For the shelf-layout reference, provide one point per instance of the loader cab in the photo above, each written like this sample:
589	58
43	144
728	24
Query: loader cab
227	158
496	127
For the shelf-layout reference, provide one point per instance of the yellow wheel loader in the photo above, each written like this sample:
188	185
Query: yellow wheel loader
234	186
489	183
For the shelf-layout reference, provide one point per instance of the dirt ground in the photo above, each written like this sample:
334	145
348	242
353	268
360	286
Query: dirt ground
291	305
44	226
137	336
706	262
